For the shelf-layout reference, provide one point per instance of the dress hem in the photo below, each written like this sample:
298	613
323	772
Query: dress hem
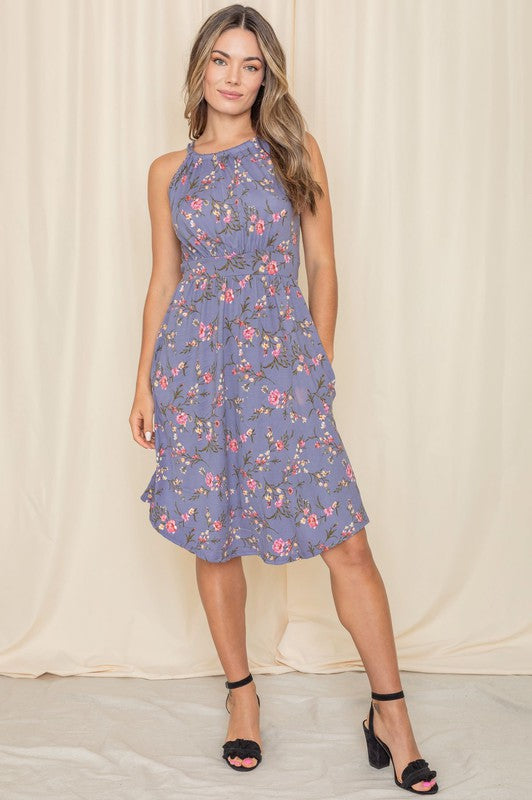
250	551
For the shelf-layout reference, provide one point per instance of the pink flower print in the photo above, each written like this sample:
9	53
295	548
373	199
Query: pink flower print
272	267
349	471
202	330
157	373
163	517
279	502
197	204
233	445
243	437
253	217
259	227
276	352
278	545
209	479
185	517
274	397
359	516
313	521
175	370
163	383
227	217
217	525
229	296
248	332
182	418
207	377
328	511
276	217
251	484
306	510
279	444
171	527
290	490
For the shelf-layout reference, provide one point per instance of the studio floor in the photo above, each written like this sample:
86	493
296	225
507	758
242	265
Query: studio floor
128	738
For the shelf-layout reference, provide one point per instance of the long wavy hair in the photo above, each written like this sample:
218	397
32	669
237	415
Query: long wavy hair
275	116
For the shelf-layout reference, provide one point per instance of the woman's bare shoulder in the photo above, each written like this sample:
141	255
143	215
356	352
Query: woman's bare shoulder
165	166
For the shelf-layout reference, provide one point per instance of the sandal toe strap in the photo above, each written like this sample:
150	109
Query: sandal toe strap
241	748
416	771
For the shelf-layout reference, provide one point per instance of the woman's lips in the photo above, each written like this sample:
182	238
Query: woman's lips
229	95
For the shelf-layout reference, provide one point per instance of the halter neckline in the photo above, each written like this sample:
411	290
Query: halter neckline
253	140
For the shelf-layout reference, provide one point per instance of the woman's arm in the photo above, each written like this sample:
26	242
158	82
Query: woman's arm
317	235
165	275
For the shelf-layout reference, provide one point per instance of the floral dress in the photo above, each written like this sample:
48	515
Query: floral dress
249	460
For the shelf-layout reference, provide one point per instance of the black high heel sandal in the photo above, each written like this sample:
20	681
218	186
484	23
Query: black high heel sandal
379	754
241	748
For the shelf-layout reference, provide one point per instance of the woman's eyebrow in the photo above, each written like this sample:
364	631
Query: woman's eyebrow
247	58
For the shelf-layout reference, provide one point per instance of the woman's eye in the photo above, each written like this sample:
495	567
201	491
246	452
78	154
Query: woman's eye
250	66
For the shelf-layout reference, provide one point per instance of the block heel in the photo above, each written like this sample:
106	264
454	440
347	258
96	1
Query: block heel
377	755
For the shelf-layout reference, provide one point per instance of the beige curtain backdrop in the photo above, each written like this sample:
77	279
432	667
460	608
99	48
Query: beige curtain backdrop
421	111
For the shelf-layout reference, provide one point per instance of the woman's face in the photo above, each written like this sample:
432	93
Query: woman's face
236	66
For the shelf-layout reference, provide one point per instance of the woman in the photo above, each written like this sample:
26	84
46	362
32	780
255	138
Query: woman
240	383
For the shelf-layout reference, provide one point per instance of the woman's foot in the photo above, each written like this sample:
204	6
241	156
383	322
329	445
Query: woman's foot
244	721
392	724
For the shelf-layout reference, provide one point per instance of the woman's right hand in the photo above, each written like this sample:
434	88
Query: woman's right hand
141	419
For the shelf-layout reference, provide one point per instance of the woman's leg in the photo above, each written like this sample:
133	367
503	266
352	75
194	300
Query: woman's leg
362	606
223	592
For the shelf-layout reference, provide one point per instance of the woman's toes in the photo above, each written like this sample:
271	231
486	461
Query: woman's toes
247	762
424	786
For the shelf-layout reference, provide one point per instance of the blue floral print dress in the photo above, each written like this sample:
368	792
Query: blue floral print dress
248	457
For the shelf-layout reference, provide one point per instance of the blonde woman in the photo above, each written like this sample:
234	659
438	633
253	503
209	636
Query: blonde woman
236	375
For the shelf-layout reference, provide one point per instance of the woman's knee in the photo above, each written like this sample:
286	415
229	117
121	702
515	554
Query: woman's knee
354	552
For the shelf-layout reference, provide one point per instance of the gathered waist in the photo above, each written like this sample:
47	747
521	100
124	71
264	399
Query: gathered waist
251	262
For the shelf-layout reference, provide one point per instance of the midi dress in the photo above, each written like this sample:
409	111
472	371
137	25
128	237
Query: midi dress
248	457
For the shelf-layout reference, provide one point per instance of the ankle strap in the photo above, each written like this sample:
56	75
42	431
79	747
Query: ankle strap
242	682
390	696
